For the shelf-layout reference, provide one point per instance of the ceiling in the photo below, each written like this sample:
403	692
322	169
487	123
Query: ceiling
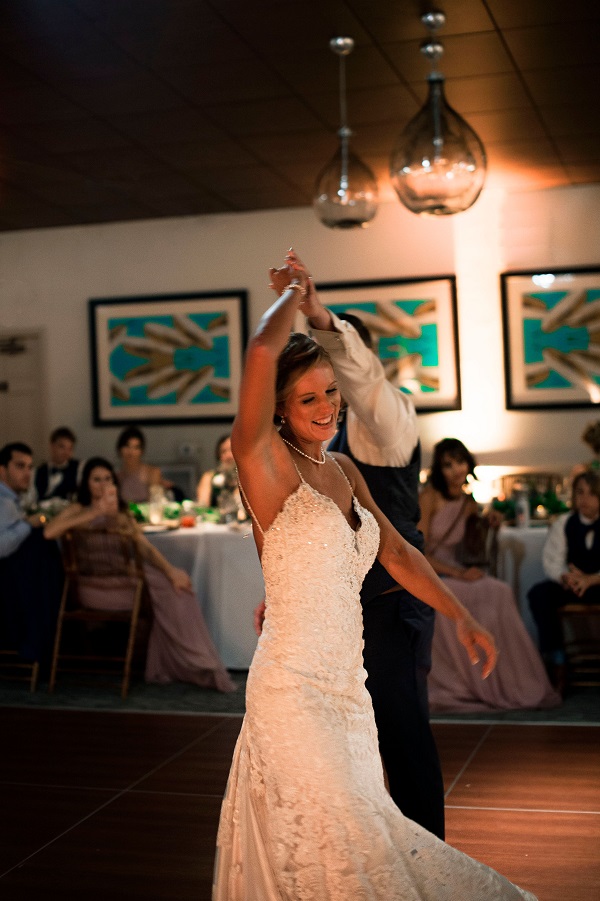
114	110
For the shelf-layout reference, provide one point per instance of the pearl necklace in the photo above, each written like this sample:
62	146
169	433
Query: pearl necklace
320	462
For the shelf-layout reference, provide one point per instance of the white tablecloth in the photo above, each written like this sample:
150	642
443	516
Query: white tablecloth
227	579
520	564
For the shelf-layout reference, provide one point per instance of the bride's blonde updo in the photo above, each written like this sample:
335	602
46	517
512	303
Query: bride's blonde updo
299	355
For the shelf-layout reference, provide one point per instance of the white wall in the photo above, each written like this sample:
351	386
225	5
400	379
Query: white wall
48	275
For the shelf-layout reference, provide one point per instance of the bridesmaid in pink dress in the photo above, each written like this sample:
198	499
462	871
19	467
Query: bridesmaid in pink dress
136	478
180	647
519	680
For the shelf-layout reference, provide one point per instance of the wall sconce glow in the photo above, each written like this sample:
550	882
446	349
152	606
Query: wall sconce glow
543	281
485	485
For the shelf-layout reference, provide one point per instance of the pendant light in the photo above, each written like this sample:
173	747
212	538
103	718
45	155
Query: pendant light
346	190
438	164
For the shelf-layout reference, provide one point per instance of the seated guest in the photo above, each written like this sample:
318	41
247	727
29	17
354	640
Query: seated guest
179	648
213	481
519	679
30	569
137	479
58	477
571	561
591	437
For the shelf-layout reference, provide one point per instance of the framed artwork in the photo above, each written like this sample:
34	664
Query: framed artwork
551	323
412	324
169	358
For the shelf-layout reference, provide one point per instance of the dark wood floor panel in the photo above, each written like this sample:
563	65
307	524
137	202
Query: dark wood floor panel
203	768
126	806
142	846
34	815
536	767
555	856
456	746
101	750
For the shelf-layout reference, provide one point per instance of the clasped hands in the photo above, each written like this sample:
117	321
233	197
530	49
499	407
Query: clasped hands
577	581
294	271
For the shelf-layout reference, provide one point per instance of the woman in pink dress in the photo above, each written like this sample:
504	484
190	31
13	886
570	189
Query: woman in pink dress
180	647
137	479
519	680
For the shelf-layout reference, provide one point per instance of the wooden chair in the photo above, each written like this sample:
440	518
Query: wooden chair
11	667
581	634
104	583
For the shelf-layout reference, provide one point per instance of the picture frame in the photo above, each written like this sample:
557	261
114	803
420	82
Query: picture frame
167	358
412	323
551	330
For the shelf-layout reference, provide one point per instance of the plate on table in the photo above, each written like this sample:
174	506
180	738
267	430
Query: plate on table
167	526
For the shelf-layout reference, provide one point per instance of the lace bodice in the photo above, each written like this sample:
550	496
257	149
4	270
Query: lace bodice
313	564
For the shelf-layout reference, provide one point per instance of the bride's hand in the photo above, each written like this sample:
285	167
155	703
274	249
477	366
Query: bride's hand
472	635
280	278
290	273
312	307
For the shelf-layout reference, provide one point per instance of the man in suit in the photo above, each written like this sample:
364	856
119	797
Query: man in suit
380	435
30	566
59	476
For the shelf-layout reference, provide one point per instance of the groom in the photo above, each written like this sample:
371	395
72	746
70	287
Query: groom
380	435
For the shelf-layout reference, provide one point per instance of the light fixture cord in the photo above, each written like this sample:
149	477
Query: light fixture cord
344	131
435	78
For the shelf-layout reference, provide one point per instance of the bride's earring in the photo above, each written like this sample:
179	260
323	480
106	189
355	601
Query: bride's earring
282	420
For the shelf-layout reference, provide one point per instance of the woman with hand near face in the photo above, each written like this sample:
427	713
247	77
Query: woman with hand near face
179	647
519	680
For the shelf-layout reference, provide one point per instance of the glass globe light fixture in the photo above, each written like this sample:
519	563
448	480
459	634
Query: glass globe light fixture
438	164
346	194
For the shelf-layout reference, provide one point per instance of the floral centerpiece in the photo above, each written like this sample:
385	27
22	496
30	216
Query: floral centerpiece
49	507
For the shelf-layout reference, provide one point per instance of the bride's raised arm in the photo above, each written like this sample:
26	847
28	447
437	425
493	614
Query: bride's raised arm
258	451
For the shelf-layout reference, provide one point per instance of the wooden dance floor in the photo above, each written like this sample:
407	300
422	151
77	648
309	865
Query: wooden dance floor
105	805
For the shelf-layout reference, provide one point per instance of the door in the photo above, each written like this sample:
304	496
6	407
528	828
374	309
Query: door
21	391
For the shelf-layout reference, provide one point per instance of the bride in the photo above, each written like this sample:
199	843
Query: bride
306	816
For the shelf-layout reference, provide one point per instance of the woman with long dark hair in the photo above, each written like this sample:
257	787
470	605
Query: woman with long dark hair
179	647
519	680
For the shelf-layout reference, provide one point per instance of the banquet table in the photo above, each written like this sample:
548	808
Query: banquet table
520	564
227	579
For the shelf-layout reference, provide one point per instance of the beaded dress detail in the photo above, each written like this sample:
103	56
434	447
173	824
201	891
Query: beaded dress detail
306	816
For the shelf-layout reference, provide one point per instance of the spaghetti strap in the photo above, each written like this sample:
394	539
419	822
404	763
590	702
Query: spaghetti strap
250	510
247	502
331	457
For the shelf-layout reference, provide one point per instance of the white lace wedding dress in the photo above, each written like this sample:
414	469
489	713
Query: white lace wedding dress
306	816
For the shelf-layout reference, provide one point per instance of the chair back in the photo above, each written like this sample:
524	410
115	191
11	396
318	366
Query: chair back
104	583
101	552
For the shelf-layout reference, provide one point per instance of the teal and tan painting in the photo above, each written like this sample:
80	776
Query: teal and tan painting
553	326
413	329
172	360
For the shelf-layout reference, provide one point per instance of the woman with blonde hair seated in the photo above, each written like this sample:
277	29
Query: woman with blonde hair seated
223	475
